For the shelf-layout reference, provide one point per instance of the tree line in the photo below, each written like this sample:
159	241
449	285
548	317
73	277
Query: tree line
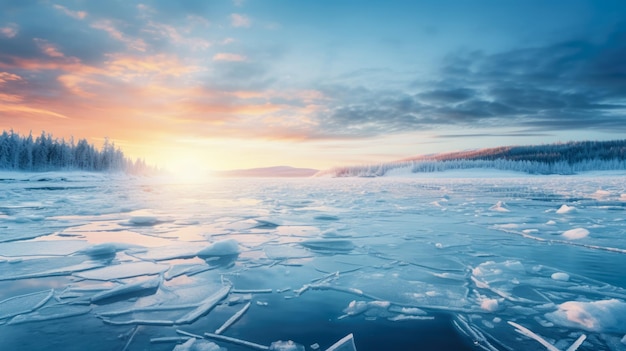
560	158
45	153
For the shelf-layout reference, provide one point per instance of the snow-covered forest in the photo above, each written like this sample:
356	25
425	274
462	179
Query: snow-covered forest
561	158
45	153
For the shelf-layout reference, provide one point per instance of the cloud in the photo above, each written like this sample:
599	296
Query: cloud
225	56
568	85
238	20
30	110
109	27
6	77
74	14
9	31
48	48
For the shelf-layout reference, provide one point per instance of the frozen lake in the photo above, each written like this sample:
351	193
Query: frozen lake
96	262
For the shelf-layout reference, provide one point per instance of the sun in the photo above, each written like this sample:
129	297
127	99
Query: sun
188	169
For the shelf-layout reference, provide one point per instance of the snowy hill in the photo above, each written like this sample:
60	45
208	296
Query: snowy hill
560	158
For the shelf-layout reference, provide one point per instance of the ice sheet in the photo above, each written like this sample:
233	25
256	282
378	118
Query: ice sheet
127	261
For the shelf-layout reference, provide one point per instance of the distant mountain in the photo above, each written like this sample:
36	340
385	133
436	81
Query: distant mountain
559	158
266	172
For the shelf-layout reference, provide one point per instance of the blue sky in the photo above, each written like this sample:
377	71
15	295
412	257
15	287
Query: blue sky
252	83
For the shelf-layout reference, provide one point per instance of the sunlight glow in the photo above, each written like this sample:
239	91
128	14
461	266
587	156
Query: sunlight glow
188	169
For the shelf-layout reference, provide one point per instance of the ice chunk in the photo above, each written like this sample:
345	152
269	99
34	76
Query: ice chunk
577	343
328	244
286	346
24	303
236	341
355	307
128	289
143	220
228	247
565	209
205	306
233	319
345	344
105	250
125	270
490	305
194	344
577	233
607	316
525	331
560	276
500	206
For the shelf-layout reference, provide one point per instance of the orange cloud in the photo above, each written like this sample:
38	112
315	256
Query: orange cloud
30	110
6	77
47	48
128	66
11	98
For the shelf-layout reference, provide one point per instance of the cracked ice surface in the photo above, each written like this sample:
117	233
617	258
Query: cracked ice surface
435	264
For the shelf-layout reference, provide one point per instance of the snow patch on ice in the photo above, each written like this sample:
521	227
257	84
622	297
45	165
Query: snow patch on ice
577	233
560	276
565	209
286	346
490	305
499	207
220	248
194	344
597	316
143	220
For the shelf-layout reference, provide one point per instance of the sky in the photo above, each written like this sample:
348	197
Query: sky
210	84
